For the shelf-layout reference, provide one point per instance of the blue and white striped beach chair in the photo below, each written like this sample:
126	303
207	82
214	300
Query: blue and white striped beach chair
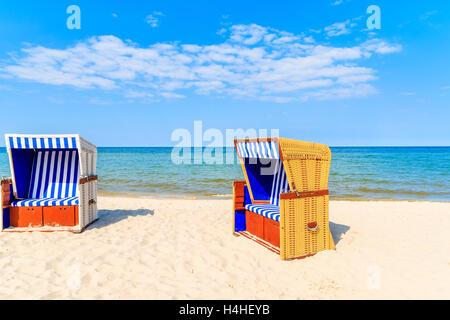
51	171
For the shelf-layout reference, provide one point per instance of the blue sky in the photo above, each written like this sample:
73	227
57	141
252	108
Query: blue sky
136	71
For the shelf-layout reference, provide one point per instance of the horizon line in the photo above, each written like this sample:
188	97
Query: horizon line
331	146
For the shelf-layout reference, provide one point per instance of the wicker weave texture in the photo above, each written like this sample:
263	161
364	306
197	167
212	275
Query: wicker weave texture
307	168
307	164
295	215
304	220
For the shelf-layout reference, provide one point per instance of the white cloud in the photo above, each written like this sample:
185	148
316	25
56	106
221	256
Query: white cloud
309	39
98	101
254	62
172	95
5	88
338	2
428	14
248	34
339	28
138	94
381	46
359	90
221	31
153	19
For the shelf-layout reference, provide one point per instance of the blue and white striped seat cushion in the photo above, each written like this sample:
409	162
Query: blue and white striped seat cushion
47	202
267	210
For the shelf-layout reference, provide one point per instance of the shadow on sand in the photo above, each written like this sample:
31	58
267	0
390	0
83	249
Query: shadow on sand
108	217
337	230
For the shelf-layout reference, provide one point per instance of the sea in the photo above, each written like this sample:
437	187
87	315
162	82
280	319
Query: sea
357	173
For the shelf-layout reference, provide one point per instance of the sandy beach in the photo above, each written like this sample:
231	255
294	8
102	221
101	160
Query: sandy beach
184	249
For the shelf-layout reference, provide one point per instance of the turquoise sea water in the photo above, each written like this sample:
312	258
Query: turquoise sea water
415	173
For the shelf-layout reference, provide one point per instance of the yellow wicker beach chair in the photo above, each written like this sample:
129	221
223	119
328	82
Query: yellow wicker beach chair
283	202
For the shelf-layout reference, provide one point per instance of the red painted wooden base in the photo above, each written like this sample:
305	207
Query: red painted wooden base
24	217
262	227
272	232
58	216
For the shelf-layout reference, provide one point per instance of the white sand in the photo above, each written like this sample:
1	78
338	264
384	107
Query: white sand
184	249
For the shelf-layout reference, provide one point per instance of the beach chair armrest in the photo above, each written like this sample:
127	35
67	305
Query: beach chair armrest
238	195
304	194
88	200
6	193
88	179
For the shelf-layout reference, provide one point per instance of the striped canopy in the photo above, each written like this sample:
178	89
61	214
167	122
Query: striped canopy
46	141
259	150
47	166
30	142
267	185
